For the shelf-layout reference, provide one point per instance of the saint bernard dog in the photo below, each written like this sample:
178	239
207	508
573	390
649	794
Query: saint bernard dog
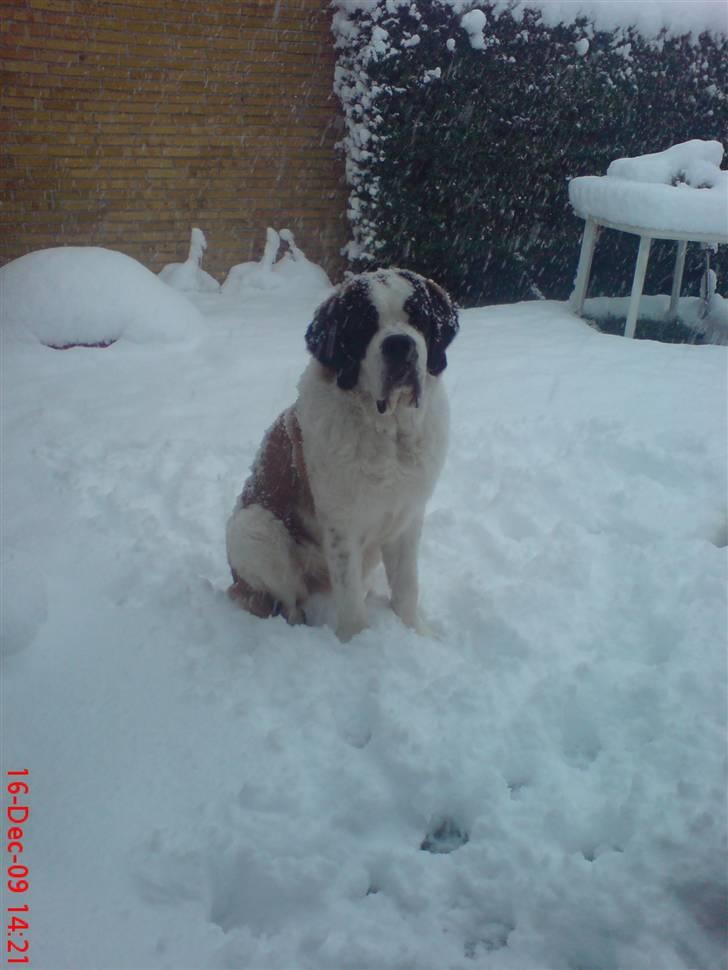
342	477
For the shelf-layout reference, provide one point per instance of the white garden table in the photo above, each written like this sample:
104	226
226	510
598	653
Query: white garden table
680	213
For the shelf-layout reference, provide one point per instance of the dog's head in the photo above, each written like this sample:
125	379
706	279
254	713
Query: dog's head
384	332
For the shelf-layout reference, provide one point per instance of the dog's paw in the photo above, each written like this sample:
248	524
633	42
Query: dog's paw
348	627
415	620
294	616
424	629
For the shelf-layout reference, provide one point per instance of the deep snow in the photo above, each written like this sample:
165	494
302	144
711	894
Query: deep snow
212	790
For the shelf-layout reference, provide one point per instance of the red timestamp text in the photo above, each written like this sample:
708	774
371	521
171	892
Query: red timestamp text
17	814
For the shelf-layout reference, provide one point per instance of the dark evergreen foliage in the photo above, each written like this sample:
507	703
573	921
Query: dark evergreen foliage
464	177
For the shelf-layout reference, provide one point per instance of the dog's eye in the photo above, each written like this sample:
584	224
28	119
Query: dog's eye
420	315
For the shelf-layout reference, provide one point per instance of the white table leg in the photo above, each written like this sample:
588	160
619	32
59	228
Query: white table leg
588	242
637	285
677	279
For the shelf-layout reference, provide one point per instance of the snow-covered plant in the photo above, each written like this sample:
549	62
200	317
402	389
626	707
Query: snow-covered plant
464	123
190	276
291	270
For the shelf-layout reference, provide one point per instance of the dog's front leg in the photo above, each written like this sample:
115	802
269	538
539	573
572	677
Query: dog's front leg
344	559
400	563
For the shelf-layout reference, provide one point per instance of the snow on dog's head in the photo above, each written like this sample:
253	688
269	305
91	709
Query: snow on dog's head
383	333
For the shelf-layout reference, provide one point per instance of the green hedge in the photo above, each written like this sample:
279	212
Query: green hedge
459	158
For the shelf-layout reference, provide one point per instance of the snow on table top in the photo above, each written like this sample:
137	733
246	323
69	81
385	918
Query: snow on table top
639	192
695	162
674	210
258	794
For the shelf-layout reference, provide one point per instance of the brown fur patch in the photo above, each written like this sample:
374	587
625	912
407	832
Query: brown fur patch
278	480
255	601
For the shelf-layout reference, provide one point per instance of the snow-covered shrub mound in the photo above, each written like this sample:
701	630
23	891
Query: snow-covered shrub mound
679	190
293	271
90	296
296	271
190	276
255	275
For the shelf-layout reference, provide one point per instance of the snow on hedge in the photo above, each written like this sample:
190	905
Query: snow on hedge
650	17
88	295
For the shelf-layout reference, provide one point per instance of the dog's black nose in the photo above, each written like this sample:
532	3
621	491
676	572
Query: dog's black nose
399	348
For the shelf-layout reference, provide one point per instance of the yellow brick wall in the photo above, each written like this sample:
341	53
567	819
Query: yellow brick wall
126	122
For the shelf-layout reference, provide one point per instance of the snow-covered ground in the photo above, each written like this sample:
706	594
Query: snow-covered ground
711	328
209	790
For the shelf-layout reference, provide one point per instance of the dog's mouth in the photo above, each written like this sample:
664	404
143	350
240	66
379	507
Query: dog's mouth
398	382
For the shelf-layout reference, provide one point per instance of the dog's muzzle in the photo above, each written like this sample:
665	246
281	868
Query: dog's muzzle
399	355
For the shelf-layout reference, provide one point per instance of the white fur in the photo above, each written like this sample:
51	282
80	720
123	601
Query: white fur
370	475
260	548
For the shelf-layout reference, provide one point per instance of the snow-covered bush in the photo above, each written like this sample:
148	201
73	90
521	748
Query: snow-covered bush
190	276
466	120
292	270
71	296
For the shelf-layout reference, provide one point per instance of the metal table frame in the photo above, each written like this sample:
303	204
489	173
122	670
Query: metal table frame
593	224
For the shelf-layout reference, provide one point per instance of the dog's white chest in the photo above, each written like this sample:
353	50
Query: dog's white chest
377	470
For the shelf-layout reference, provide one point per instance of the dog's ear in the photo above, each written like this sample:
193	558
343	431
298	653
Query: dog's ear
339	334
433	313
444	325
